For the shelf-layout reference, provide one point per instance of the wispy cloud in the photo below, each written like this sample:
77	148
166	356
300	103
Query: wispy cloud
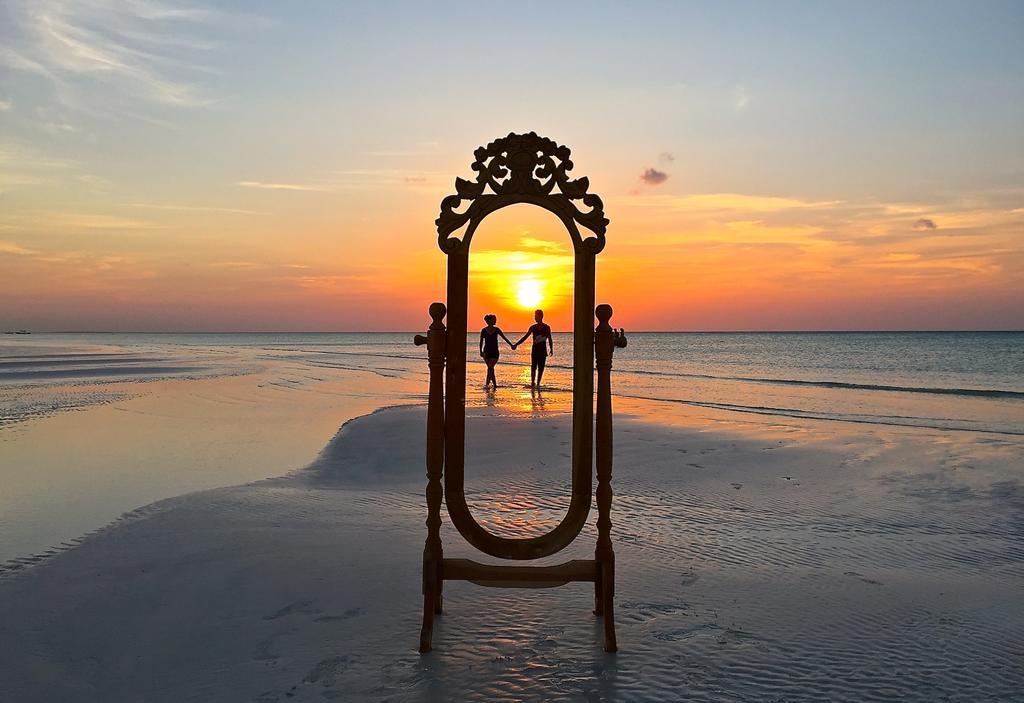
193	208
14	248
421	149
235	264
726	201
10	181
775	243
102	57
541	244
283	186
740	98
21	166
359	179
14	155
71	222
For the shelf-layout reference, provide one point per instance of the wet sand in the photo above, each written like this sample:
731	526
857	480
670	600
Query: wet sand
794	560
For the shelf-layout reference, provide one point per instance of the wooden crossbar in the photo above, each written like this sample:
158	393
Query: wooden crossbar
502	576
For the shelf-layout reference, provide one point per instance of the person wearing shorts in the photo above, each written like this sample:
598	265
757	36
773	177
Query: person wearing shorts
543	347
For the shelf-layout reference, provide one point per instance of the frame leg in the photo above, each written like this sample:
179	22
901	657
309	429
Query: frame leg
598	607
440	589
608	605
431	601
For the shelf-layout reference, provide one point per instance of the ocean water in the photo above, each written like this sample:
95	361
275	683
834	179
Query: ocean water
96	425
941	380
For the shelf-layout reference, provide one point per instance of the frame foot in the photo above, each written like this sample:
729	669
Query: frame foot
431	602
427	631
608	606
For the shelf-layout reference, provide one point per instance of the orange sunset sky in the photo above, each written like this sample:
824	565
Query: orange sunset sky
278	167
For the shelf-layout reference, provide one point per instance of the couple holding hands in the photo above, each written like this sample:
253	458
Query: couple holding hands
542	342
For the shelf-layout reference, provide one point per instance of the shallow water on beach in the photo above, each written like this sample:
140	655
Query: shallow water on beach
954	380
93	425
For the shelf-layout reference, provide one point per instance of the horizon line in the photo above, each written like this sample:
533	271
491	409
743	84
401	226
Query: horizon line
417	331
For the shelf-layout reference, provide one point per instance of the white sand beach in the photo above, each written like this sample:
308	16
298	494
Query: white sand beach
791	560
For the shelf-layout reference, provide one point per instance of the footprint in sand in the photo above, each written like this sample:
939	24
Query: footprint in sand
737	486
863	578
299	606
350	613
326	672
265	651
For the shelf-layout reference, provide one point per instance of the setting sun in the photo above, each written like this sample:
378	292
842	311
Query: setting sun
523	260
529	293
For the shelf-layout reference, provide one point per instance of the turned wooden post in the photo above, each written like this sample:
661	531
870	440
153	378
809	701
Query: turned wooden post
606	339
437	342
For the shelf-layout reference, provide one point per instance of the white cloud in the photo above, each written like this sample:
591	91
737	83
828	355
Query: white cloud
21	166
738	202
422	149
740	98
106	57
70	222
13	248
193	208
359	179
282	186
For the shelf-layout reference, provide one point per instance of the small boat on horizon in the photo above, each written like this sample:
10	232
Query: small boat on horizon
22	332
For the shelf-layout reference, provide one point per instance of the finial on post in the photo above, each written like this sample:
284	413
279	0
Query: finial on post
603	313
437	312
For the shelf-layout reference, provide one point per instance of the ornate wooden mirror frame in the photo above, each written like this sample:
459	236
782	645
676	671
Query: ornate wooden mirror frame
519	168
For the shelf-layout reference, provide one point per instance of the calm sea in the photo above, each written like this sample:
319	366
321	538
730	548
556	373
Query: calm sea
944	380
186	412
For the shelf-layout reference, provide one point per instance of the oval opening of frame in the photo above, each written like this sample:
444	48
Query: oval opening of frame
583	393
521	261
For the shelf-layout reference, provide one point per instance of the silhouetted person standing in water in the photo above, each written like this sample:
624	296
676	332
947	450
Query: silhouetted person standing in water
489	347
541	343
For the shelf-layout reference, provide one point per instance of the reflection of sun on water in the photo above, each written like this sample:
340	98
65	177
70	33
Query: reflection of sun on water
529	293
521	508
